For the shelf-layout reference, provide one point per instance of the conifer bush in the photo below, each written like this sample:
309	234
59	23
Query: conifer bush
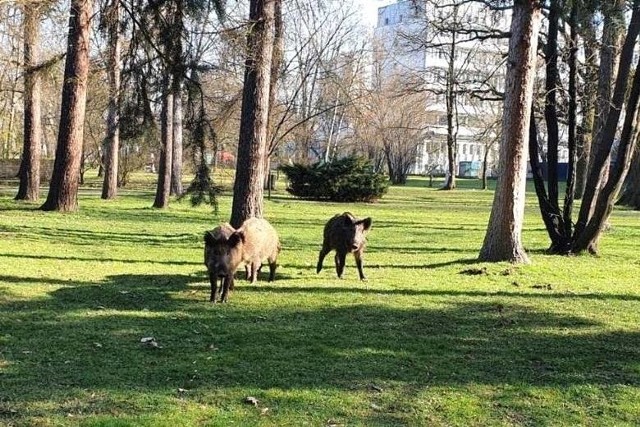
350	179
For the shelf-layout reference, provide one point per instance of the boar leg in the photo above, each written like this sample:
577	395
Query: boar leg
213	278
323	253
255	266
358	256
226	285
340	260
272	271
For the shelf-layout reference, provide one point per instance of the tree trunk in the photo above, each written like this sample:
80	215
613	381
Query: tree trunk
631	194
276	64
29	188
112	143
163	188
503	241
176	164
612	34
589	232
557	223
63	189
567	209
598	200
248	186
550	106
585	130
178	77
450	183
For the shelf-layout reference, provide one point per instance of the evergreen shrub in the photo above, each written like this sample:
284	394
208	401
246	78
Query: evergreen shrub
350	179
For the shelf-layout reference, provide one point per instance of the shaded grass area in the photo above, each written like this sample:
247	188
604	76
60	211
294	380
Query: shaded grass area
433	338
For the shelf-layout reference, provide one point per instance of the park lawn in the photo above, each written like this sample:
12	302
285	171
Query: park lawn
423	342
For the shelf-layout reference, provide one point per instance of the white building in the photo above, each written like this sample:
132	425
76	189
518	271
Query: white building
415	43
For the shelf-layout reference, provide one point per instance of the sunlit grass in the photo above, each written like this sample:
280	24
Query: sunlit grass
556	342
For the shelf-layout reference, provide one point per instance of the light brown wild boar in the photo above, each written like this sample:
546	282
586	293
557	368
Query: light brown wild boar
254	242
345	234
259	242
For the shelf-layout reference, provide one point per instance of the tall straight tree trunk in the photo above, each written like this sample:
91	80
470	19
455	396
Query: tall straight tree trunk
29	188
112	144
178	77
176	162
450	183
248	186
163	189
63	189
276	63
503	241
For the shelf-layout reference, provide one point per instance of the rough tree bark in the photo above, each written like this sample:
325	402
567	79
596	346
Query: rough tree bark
29	188
112	143
63	189
248	186
503	241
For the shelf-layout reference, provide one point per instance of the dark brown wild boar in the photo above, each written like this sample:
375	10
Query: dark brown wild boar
219	259
345	234
225	249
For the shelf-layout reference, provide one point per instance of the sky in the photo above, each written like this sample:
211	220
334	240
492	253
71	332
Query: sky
369	10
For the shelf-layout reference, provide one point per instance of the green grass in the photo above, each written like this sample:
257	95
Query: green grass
556	342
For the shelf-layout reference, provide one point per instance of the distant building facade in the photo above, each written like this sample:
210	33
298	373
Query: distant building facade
414	42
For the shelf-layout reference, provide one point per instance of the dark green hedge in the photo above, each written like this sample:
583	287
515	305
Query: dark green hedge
350	179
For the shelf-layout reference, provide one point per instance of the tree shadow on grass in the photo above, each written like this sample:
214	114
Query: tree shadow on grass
86	337
365	290
98	259
91	237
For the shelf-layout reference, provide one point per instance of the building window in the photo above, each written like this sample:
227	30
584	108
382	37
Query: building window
386	21
464	148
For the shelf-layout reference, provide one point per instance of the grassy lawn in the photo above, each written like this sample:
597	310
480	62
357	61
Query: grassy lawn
556	342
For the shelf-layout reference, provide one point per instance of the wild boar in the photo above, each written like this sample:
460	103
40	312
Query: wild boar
345	234
219	259
226	249
257	241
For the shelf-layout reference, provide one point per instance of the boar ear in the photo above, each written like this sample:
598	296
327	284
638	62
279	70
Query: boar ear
236	238
209	239
366	223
